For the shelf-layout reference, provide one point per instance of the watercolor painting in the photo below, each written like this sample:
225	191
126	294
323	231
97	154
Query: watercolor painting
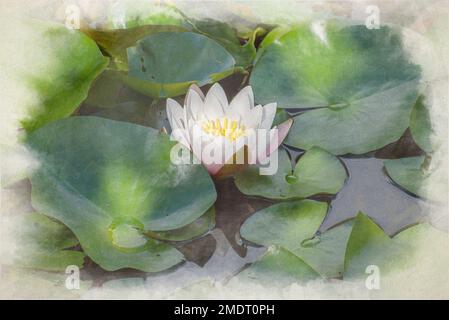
224	149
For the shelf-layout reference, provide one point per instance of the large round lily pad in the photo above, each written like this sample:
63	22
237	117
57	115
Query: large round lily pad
360	81
165	64
100	177
317	171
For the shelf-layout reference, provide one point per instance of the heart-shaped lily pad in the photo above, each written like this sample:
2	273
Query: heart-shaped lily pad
360	80
98	176
61	67
165	64
293	226
317	171
410	173
44	243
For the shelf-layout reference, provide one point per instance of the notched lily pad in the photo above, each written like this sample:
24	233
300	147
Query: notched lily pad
166	64
316	171
360	81
98	174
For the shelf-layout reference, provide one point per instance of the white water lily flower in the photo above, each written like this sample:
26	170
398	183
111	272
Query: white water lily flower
209	122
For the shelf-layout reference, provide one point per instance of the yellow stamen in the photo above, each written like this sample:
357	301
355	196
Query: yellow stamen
231	130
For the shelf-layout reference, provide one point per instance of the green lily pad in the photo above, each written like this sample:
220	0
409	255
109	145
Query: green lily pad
277	268
317	171
132	22
360	81
138	13
98	174
44	244
116	42
409	173
109	91
293	226
66	63
166	64
143	112
280	117
228	37
368	245
196	229
420	126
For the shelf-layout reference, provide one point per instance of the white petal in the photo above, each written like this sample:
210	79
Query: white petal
175	114
253	118
194	104
242	102
215	102
180	136
195	89
269	112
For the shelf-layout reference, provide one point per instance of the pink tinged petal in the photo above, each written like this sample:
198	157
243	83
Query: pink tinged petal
276	139
269	112
194	104
213	169
196	144
243	102
215	102
211	161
